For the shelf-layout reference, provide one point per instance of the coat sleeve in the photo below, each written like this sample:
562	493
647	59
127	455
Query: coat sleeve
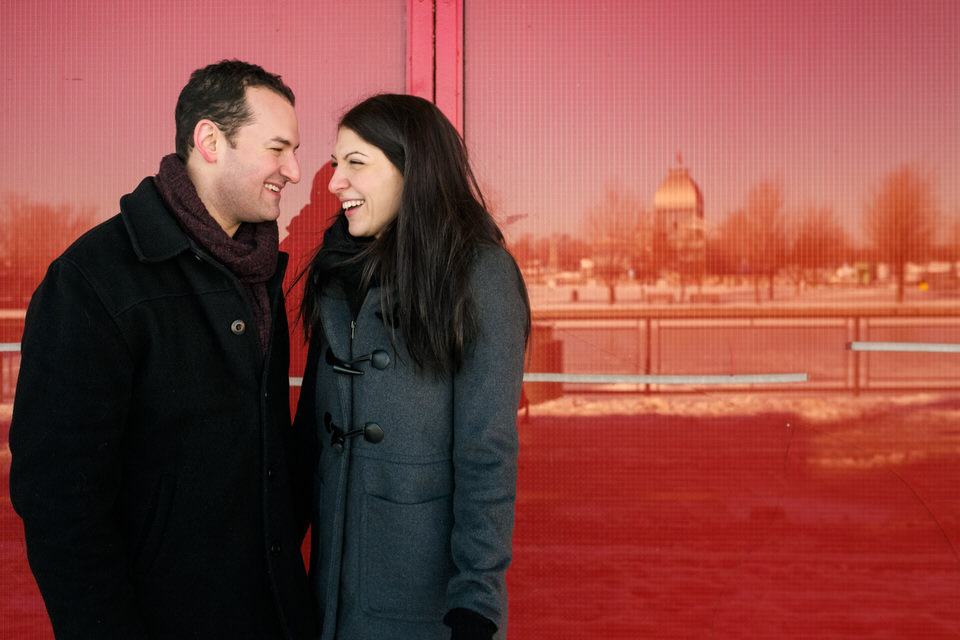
485	440
68	420
305	434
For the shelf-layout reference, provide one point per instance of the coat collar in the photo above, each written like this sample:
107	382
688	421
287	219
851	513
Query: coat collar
336	319
155	234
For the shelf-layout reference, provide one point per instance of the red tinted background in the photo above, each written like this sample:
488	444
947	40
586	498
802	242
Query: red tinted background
817	205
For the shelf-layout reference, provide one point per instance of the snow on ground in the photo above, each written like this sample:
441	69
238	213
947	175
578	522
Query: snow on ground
819	408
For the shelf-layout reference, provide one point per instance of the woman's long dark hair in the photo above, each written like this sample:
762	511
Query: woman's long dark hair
421	261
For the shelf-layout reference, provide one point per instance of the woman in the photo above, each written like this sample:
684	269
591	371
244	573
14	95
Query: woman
417	319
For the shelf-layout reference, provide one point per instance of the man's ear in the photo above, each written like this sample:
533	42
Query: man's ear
206	139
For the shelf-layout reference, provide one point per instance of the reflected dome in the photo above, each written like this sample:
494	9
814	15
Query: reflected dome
678	191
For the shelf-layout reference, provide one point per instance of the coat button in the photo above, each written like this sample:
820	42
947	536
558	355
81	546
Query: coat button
275	548
238	327
269	474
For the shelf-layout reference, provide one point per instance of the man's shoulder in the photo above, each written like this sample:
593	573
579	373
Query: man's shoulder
111	247
143	231
104	242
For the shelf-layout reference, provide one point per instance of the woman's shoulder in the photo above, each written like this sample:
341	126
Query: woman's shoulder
491	258
495	272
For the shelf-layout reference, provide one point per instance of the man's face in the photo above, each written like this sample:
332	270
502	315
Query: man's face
252	171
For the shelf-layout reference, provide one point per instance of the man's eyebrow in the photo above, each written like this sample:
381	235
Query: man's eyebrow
283	141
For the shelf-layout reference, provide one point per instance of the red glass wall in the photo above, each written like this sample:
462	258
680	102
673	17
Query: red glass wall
87	112
703	196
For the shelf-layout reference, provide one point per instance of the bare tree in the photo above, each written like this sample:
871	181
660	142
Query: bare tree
819	240
612	230
950	243
34	234
525	252
733	245
767	232
902	220
755	237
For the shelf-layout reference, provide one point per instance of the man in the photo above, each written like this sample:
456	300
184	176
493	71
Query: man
154	465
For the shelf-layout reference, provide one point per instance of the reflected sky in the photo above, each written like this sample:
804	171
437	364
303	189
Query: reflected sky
561	98
565	97
89	86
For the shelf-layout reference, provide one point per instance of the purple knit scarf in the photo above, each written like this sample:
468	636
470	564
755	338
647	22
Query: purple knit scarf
251	254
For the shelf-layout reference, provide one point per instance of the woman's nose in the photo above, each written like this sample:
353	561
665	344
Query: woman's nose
337	183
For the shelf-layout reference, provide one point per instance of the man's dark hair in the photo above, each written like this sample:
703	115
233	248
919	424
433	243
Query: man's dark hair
217	92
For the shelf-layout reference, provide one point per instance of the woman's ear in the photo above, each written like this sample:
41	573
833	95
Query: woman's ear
206	139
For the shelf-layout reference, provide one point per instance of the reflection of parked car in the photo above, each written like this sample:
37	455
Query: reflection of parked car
566	278
659	298
941	281
11	323
10	290
844	275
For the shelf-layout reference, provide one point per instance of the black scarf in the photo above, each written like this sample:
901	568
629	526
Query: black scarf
339	260
251	254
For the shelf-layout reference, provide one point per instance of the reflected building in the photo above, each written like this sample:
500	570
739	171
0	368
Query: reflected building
679	243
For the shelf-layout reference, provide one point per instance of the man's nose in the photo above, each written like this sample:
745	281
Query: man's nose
291	170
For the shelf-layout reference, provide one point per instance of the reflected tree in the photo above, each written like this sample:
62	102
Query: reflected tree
755	237
567	252
902	220
541	257
532	253
950	243
613	233
34	234
819	241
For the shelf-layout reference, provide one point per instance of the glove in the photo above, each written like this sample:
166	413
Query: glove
469	625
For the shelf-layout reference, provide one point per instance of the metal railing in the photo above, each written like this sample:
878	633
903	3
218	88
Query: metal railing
652	349
824	348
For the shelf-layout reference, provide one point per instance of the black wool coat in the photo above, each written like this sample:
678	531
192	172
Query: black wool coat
154	463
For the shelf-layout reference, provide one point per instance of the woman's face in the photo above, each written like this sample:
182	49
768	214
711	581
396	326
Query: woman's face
367	184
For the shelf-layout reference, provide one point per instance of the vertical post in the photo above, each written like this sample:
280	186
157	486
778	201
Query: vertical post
435	55
856	358
420	61
448	67
647	363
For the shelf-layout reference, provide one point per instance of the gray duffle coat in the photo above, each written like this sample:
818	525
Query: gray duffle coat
419	523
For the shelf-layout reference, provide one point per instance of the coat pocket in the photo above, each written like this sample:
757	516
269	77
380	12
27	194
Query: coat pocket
153	533
405	548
